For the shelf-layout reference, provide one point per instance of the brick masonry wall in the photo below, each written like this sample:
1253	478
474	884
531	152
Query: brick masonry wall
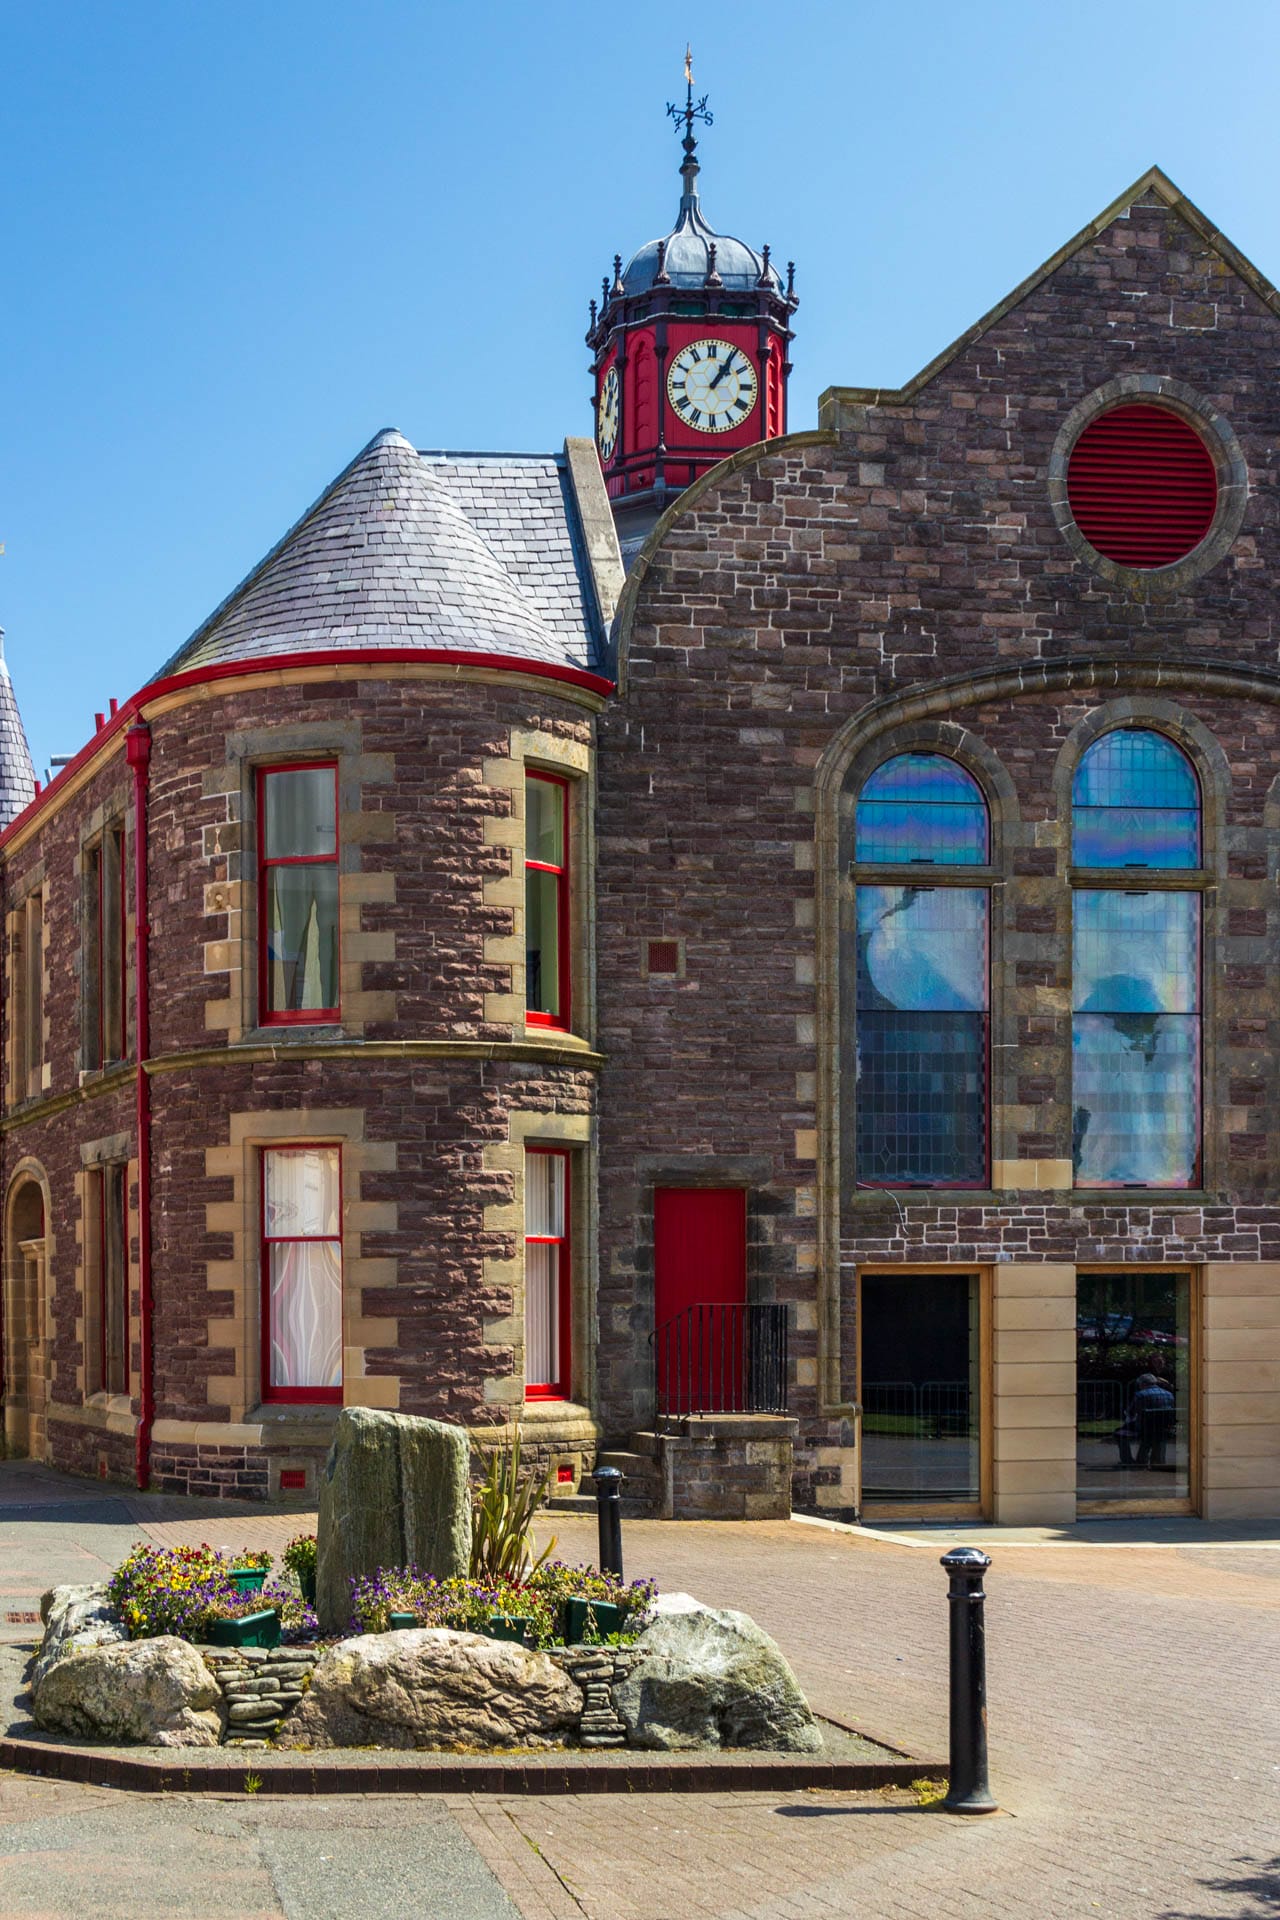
431	778
795	600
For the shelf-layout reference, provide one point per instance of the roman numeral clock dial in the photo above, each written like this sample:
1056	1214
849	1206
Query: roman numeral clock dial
712	385
608	412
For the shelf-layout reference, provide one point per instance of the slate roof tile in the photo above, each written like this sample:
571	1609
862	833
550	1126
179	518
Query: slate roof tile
473	552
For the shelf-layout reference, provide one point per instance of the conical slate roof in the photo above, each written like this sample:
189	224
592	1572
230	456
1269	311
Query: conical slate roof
17	775
390	556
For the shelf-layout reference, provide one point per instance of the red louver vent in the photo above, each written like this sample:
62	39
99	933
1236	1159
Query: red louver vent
1142	486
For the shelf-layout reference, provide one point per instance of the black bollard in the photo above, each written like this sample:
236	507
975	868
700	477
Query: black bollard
609	1513
968	1790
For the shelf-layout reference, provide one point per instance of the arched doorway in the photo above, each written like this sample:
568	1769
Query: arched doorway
24	1332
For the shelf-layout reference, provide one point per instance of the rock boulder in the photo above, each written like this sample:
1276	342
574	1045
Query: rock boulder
74	1616
710	1677
395	1492
154	1692
431	1687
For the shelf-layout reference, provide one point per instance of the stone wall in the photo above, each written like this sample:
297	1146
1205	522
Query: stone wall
897	579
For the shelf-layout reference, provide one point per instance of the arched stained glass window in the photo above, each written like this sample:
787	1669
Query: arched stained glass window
921	808
1135	803
921	977
1136	969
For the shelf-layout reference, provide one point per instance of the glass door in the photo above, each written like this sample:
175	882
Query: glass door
1134	1374
920	1371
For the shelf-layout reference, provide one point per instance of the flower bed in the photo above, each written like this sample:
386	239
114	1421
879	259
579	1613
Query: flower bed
540	1600
185	1590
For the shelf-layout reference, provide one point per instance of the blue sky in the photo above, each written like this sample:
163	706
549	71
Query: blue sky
239	238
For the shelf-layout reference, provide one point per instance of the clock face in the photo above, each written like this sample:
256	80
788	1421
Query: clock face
712	385
607	411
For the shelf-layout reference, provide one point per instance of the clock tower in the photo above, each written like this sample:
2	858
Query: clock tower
689	351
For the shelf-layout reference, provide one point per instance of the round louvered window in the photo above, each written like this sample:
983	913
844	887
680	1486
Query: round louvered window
1142	486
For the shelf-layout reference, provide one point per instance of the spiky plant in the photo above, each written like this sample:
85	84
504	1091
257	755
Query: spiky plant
502	1511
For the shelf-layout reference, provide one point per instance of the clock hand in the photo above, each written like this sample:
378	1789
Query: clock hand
720	376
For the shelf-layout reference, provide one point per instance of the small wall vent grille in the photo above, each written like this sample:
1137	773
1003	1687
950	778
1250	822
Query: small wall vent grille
663	956
1142	487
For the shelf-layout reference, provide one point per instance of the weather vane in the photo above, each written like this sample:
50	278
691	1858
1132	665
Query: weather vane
691	110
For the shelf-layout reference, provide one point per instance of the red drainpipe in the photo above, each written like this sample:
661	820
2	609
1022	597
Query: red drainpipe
138	747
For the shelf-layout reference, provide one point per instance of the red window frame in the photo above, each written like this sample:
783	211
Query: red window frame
293	1396
306	1016
102	1178
559	1389
534	1017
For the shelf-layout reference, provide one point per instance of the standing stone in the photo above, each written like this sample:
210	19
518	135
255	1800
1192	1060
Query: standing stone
396	1492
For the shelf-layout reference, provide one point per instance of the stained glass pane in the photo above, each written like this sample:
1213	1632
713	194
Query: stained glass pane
1136	953
922	806
922	948
921	997
302	1192
1135	1099
1136	803
301	817
922	1098
302	939
305	1313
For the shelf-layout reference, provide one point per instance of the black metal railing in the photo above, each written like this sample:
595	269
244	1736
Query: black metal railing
719	1357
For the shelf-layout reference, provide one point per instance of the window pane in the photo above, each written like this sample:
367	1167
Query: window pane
542	941
542	1314
302	1192
302	938
922	1098
1133	1386
1136	953
920	806
922	947
544	823
1136	803
544	1194
920	1388
300	808
305	1314
1135	1099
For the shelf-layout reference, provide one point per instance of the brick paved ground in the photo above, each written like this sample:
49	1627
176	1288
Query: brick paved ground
1133	1729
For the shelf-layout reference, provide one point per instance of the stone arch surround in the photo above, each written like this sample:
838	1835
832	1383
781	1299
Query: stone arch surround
24	1320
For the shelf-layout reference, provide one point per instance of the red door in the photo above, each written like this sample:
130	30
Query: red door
700	1293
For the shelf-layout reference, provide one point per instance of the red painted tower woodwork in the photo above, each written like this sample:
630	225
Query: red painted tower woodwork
689	355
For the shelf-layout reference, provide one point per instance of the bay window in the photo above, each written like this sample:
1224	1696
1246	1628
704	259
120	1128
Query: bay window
298	894
302	1273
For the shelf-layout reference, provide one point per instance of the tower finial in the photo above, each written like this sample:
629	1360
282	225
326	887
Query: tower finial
691	110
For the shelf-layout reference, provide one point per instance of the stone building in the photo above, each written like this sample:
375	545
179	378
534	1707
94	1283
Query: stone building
539	1022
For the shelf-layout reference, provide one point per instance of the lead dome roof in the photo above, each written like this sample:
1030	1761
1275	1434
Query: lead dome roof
688	250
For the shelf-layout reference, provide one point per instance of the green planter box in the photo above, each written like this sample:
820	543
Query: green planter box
591	1619
508	1626
307	1583
250	1630
247	1579
396	1622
